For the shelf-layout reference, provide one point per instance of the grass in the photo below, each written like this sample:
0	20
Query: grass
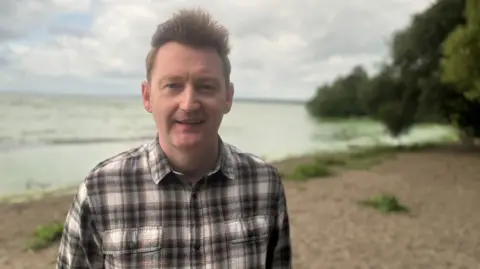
385	204
323	165
46	235
307	171
326	164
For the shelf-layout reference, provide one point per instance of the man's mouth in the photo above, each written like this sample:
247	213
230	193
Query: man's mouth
189	122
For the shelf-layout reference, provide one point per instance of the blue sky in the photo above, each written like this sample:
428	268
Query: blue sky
280	48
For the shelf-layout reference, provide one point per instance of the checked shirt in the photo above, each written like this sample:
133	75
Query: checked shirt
132	211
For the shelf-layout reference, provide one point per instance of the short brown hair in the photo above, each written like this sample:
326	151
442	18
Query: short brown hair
191	27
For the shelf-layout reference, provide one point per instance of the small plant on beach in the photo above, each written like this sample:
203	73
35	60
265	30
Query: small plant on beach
45	235
331	160
385	204
306	171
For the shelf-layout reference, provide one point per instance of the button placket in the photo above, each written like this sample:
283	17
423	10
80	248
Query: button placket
195	214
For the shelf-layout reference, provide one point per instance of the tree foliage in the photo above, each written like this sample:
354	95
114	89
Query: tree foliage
433	74
416	53
461	64
340	99
391	104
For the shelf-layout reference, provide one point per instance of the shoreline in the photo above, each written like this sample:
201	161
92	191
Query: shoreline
37	194
290	160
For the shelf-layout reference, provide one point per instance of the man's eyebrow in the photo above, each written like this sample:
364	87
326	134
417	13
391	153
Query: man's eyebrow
167	78
201	79
171	77
208	79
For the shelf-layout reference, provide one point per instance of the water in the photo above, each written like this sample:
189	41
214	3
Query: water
49	141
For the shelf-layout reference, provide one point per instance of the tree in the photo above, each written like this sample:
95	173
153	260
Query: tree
389	102
461	69
392	115
433	74
380	89
341	98
461	63
416	53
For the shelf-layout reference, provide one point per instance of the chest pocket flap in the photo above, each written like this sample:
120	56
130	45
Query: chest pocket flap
132	240
248	229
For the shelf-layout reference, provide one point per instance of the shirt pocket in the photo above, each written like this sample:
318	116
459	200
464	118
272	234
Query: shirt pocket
247	241
133	247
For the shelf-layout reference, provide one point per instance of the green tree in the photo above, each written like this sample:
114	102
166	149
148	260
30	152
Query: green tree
417	54
461	63
380	89
418	84
341	98
461	68
417	51
387	101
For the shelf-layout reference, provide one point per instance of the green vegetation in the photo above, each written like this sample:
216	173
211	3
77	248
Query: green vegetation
361	158
432	75
461	68
326	164
385	204
46	235
306	171
461	65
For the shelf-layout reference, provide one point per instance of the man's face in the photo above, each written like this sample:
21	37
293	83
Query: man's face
187	95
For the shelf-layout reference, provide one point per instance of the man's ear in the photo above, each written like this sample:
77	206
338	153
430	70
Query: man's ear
230	93
146	96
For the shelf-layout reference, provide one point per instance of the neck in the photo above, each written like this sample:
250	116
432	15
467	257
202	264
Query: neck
192	163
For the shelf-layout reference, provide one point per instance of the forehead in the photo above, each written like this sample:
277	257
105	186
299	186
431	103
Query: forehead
178	59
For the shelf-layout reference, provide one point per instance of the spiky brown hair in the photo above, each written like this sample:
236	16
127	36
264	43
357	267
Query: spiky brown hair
191	27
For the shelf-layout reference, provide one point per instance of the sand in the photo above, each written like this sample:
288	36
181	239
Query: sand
329	228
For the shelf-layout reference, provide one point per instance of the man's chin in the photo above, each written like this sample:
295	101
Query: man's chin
187	143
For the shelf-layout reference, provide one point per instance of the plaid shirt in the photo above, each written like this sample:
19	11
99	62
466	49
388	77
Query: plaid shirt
132	211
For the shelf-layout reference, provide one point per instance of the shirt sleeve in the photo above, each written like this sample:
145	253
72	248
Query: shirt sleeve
79	245
280	250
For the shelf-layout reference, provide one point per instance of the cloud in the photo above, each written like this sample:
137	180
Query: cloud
19	18
280	48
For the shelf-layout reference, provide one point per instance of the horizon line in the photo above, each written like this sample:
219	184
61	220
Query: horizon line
250	99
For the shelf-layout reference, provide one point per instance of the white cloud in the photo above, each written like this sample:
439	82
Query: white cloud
280	48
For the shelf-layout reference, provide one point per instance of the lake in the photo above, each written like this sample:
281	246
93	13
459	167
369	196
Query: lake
50	141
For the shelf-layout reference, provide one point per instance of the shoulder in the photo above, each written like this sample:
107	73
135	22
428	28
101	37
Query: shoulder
119	162
112	177
256	174
110	171
247	163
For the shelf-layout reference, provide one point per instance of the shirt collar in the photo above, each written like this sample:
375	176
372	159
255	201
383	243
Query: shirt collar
160	168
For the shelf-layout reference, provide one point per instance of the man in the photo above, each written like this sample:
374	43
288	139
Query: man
186	199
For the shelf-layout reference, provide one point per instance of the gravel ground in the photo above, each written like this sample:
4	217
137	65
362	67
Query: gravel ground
329	228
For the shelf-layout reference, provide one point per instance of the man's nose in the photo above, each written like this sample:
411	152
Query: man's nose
189	99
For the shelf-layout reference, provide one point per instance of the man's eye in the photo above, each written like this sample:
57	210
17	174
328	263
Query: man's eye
207	87
173	86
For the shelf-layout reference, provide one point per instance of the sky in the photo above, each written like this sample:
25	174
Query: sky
282	49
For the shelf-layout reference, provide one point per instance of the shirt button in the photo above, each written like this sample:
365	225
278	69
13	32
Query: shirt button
196	246
194	196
